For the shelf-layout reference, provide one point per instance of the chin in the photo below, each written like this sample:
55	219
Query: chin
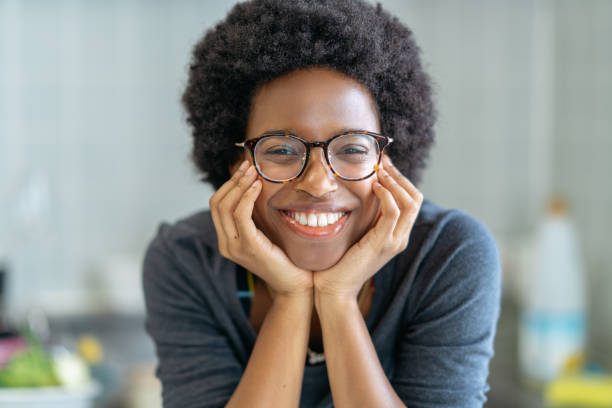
314	260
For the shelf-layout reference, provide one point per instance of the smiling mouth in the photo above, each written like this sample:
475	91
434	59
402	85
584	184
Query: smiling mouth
315	225
322	219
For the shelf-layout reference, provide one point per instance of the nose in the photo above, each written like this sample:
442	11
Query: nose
317	178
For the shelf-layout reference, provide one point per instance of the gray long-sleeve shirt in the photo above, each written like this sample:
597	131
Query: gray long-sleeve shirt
432	319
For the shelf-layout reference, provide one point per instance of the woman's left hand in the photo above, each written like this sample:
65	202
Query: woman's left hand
400	203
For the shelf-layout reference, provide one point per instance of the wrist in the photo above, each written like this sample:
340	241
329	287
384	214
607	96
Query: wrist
300	287
295	296
335	301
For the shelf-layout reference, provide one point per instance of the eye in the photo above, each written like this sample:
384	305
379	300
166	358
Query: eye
281	150
352	150
280	154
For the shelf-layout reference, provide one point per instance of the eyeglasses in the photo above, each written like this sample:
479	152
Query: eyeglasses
282	157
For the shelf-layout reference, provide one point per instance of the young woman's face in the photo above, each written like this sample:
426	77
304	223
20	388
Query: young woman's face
314	104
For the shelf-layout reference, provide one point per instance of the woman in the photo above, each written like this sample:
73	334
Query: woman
320	275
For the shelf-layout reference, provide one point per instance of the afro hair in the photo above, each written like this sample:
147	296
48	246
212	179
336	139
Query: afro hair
261	40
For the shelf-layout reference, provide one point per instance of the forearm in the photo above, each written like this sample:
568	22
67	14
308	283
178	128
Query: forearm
274	373
355	375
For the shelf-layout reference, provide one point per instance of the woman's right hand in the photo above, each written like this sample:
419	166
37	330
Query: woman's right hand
240	240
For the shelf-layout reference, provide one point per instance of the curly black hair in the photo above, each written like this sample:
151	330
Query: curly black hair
261	40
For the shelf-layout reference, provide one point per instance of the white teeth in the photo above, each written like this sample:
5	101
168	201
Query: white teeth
316	220
331	218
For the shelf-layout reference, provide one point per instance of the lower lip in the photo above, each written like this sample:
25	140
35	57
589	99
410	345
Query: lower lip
315	233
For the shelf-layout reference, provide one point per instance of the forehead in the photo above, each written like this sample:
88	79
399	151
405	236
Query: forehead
314	103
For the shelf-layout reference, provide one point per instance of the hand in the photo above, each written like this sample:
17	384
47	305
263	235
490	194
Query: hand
400	203
240	240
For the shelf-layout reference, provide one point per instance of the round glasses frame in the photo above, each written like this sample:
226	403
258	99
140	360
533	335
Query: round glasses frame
383	141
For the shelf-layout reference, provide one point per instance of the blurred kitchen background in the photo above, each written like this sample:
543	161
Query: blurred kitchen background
94	155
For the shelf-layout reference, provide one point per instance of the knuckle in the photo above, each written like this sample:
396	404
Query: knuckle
212	202
419	197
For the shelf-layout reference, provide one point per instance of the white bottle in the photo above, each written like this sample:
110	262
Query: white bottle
552	328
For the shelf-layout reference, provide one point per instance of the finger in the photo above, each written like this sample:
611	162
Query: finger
389	210
221	237
243	214
402	180
230	201
403	199
217	197
407	204
220	194
408	214
409	207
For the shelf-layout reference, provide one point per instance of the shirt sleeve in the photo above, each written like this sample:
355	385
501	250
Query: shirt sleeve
446	343
196	364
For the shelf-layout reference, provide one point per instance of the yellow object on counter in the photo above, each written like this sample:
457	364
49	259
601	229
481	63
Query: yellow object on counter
574	364
90	349
588	391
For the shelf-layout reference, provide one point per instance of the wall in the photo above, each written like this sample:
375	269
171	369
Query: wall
93	149
583	145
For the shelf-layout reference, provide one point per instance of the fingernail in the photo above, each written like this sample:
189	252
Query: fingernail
384	173
244	165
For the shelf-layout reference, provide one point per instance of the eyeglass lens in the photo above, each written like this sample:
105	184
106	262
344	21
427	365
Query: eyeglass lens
282	158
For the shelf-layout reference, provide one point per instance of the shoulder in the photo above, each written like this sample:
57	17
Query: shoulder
440	233
194	227
452	252
447	226
186	245
186	235
451	303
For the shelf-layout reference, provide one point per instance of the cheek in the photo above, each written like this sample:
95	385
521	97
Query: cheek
369	201
373	208
364	190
